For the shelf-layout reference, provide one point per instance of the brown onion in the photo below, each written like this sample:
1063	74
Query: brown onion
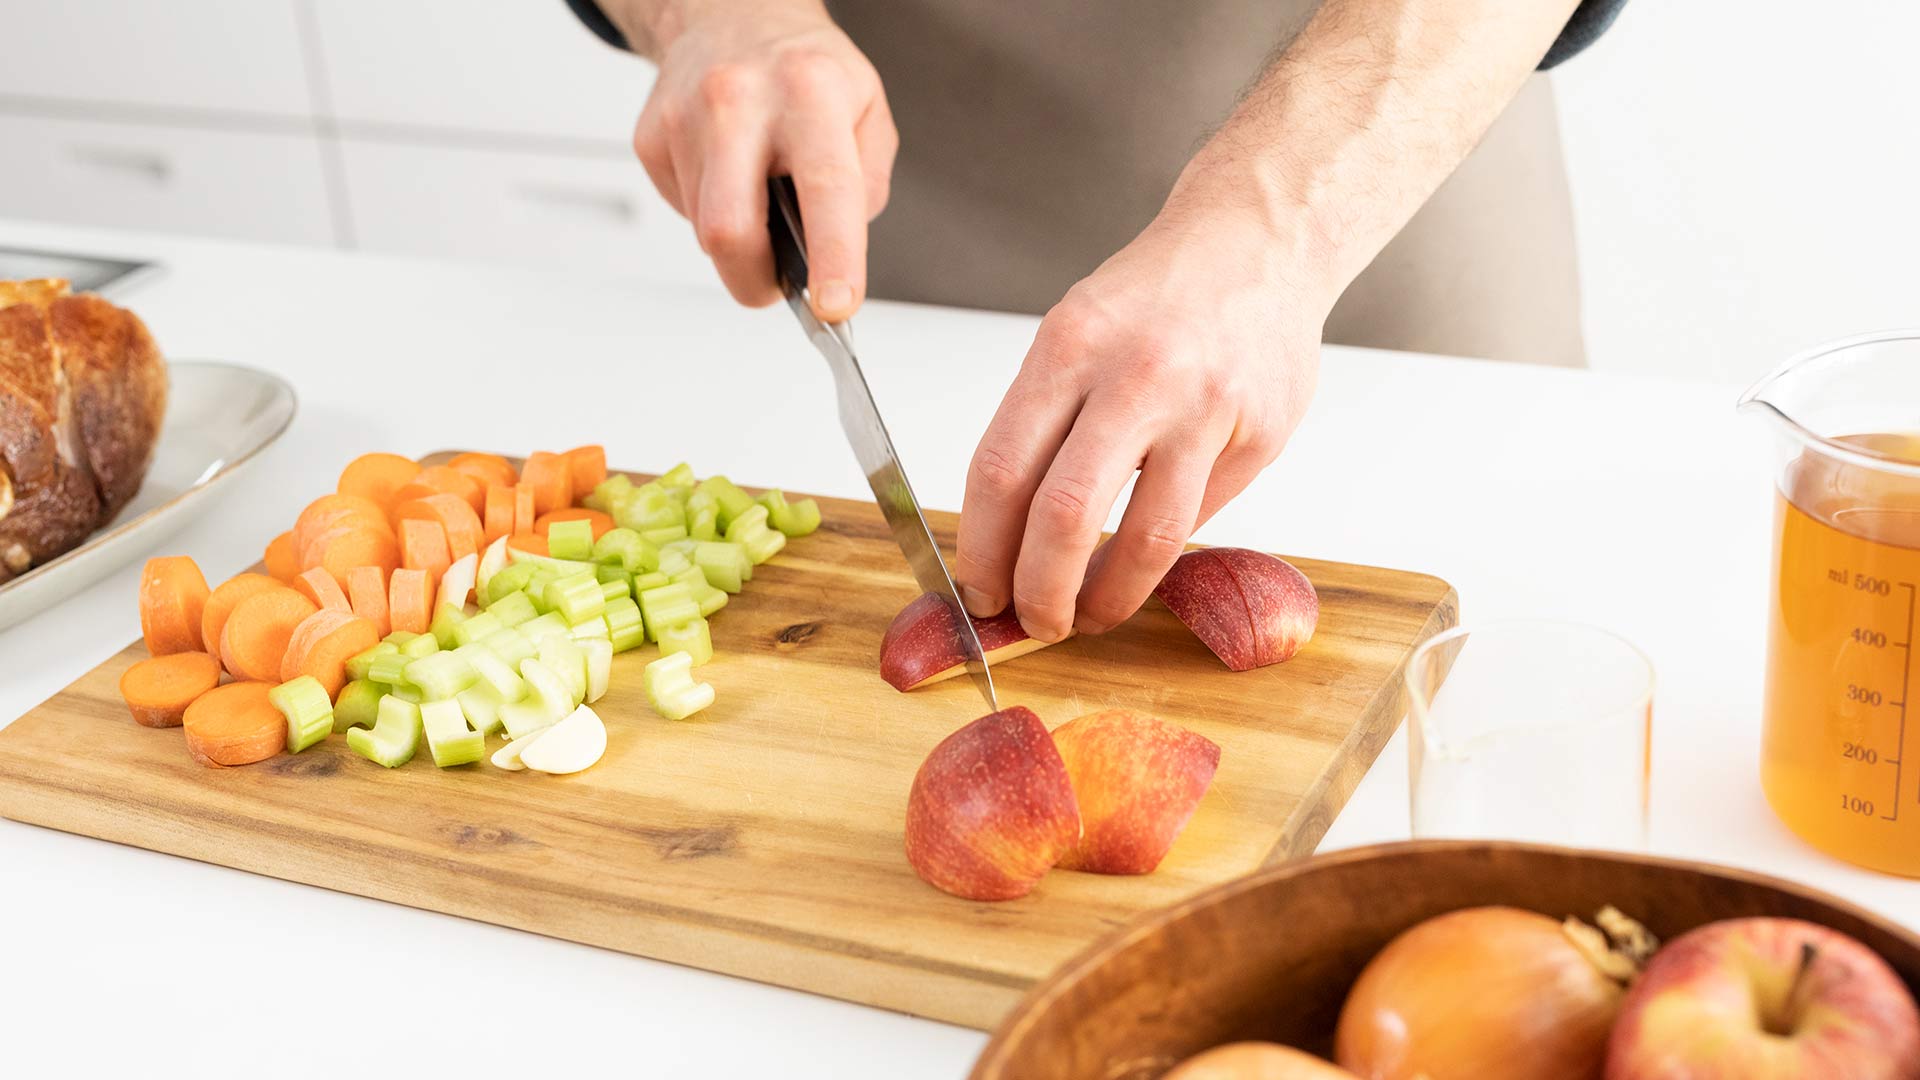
1256	1061
1489	993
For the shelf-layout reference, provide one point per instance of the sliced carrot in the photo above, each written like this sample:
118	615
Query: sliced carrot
587	466
531	543
489	469
523	515
410	600
462	525
601	522
550	478
234	724
283	557
320	587
344	549
453	482
367	591
256	635
158	690
329	512
423	546
322	645
220	603
498	519
173	596
377	477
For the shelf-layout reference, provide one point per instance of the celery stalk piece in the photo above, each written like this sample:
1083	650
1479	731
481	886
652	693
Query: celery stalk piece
558	566
576	599
722	576
707	598
733	502
481	706
389	668
399	638
653	579
626	548
309	712
547	688
607	492
750	529
725	564
566	659
792	519
511	646
671	690
594	629
510	580
765	545
693	638
625	629
599	652
667	606
615	590
672	562
664	534
415	646
456	584
358	705
358	666
549	623
394	738
570	540
704	523
508	756
478	628
494	673
575	743
406	692
524	718
446	619
492	561
441	675
614	575
512	609
680	476
684	546
536	589
449	739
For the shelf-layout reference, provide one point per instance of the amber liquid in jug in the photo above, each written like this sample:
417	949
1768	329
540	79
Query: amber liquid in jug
1840	720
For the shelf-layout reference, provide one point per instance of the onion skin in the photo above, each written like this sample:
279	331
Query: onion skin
1256	1061
1489	993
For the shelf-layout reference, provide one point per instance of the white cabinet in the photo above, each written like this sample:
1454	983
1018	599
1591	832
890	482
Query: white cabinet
241	184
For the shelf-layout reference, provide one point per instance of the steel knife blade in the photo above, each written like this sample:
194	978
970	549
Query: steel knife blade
865	431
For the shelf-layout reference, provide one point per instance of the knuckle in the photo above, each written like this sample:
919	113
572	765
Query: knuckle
719	235
1064	504
828	177
1159	539
994	474
807	74
725	86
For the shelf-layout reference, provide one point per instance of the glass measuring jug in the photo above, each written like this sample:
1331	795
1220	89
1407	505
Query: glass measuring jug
1840	749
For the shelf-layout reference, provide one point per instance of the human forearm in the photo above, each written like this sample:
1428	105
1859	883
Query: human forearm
651	25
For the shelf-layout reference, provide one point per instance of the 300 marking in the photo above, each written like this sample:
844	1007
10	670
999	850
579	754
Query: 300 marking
1863	695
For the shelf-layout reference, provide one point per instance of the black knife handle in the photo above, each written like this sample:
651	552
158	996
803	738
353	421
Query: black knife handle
789	235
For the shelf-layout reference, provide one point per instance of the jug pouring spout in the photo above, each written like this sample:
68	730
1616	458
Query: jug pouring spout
1855	401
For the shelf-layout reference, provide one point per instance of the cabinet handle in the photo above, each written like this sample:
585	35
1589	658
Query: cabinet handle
145	165
602	205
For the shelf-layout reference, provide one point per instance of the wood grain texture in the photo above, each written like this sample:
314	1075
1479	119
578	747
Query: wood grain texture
1272	956
763	837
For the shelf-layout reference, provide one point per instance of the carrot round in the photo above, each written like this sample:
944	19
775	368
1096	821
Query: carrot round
410	600
234	724
587	466
256	635
423	546
523	515
377	477
320	587
367	594
283	557
329	512
344	549
220	604
462	525
497	521
550	478
442	478
601	522
323	643
158	689
173	596
489	469
531	543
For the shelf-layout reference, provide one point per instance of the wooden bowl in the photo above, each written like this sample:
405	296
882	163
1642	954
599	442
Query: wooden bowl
1272	955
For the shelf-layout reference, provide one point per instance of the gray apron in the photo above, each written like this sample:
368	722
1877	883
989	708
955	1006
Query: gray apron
1038	138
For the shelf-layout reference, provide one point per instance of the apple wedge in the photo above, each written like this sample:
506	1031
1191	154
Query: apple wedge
921	646
991	809
1250	608
1137	780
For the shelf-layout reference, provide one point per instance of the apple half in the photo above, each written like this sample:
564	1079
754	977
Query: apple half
991	809
1252	609
922	645
1137	780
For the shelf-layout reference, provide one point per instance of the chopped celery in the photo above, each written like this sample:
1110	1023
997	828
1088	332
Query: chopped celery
614	573
664	534
547	700
309	712
568	662
511	646
558	566
494	673
591	630
705	596
599	653
536	589
666	606
672	562
446	619
477	628
608	492
671	690
650	580
358	666
680	476
492	561
449	739
724	563
512	609
684	546
395	736
627	549
614	590
692	637
358	704
414	646
733	502
570	539
624	627
506	582
389	668
481	706
549	623
704	523
648	506
399	638
792	519
406	692
576	599
442	675
751	530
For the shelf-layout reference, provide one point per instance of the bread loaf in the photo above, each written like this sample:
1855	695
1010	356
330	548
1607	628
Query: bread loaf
82	392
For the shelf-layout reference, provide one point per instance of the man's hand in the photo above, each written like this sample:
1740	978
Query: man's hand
753	88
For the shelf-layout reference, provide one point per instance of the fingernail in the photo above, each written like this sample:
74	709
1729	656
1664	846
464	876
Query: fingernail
1088	626
979	604
834	297
1041	633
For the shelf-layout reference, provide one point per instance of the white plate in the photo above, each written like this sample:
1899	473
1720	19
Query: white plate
218	416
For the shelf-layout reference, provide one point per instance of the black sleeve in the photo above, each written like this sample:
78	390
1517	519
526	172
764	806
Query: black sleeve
597	21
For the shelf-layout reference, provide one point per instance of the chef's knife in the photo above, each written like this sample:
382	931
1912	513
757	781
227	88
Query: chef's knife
860	419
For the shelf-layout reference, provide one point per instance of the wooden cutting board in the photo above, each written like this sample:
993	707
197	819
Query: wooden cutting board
763	837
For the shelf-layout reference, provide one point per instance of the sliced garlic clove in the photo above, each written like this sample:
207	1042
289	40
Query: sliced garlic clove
508	756
569	746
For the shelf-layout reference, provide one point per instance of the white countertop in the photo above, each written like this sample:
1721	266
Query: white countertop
1638	504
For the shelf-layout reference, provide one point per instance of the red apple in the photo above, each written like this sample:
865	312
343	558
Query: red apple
1137	780
1766	997
922	645
1250	608
991	809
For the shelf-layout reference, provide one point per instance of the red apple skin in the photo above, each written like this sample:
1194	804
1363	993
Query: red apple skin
1696	1012
991	809
1252	609
1138	781
922	646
